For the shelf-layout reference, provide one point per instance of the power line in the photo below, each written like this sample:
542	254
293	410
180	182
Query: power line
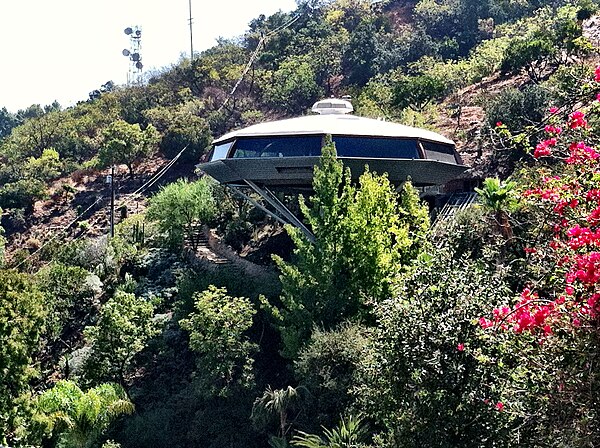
138	192
59	233
254	55
162	172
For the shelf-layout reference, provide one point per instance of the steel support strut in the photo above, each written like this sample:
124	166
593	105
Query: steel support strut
285	215
257	204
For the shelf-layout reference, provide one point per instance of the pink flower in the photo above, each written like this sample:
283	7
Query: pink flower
541	151
597	74
577	120
550	129
543	148
460	347
485	323
500	406
499	123
581	154
593	195
553	110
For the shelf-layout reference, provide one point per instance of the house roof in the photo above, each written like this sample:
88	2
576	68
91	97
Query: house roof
334	124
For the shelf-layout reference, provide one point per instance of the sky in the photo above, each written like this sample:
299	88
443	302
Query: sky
63	49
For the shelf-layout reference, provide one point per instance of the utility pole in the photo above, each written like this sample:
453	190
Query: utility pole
111	179
191	35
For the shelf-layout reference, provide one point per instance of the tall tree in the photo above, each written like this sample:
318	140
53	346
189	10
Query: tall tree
361	52
22	318
365	236
182	127
178	206
453	22
8	121
217	331
126	143
124	326
294	87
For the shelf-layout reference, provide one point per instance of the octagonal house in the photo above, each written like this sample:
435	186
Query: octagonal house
282	154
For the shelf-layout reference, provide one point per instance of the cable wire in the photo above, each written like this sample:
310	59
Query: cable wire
163	170
262	40
138	192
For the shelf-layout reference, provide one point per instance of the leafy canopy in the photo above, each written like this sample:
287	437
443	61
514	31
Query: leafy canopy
365	236
126	143
180	205
75	418
217	331
124	326
22	317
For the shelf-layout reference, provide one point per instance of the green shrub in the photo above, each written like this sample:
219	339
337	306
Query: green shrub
70	291
123	328
424	382
375	100
237	233
22	194
350	432
22	319
96	255
126	143
482	61
586	9
218	334
531	55
132	236
179	206
293	87
194	281
46	167
418	91
73	418
565	83
182	127
518	108
327	367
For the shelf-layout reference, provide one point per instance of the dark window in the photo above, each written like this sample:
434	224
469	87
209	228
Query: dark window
220	151
310	145
298	146
376	148
439	151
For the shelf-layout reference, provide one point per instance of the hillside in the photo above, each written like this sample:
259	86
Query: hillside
203	322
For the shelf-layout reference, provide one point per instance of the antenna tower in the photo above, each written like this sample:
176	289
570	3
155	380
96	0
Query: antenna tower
134	74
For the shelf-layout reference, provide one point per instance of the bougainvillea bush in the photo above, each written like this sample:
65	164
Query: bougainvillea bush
429	380
554	321
492	340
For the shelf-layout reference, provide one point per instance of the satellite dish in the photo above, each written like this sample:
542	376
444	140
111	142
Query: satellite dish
139	65
126	52
135	57
128	30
